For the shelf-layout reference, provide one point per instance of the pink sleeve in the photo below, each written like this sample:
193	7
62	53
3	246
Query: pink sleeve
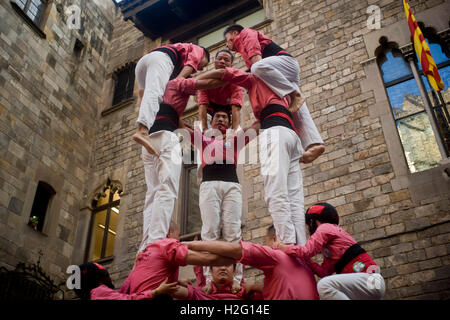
175	252
203	97
322	270
238	77
104	293
194	56
256	255
125	288
195	293
187	86
313	246
237	95
250	42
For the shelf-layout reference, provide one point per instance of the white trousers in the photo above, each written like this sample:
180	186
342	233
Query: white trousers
282	75
352	286
308	132
221	210
280	150
162	175
152	74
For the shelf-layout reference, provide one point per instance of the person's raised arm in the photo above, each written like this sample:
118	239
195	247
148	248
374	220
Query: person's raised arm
207	259
231	250
236	116
185	72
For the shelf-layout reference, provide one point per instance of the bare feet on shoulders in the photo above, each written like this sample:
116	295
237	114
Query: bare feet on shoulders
312	154
297	101
141	137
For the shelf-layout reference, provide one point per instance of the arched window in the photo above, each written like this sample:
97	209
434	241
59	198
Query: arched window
412	120
104	224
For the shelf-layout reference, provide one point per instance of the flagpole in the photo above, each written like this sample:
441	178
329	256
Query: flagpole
428	109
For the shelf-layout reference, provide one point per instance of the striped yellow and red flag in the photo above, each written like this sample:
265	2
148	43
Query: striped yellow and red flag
423	51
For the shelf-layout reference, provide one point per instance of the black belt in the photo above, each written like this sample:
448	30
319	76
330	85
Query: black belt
174	55
276	115
349	254
220	172
166	119
272	49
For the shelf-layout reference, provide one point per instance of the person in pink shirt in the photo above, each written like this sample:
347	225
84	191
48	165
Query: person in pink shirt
162	171
357	275
285	277
280	71
280	149
222	280
229	97
153	72
155	272
96	284
220	193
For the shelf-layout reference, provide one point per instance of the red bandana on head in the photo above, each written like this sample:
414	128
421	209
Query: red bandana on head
316	209
99	266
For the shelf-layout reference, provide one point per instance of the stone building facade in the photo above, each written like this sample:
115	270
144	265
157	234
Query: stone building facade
59	125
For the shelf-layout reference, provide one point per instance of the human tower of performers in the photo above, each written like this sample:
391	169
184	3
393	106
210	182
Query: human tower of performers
287	137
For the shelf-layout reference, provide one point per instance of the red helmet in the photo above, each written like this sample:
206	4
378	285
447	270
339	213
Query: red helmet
323	212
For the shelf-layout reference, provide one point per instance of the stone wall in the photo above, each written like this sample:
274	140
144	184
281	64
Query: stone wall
49	99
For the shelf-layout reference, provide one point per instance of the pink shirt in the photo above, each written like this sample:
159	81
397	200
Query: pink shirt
224	293
226	95
158	261
220	150
329	239
285	277
259	93
105	293
250	43
178	91
190	54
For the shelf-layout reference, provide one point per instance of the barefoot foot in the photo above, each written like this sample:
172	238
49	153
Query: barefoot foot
141	137
312	154
297	101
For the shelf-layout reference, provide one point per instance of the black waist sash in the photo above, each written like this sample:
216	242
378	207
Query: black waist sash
273	49
276	115
174	55
349	254
166	119
220	172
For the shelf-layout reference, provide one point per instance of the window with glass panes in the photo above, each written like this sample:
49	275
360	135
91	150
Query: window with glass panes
247	21
413	122
124	83
104	225
32	8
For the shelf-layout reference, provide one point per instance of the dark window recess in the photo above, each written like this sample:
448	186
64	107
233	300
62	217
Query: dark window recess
124	84
44	193
78	48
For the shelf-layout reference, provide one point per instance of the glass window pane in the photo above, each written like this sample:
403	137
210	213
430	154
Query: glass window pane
252	19
441	111
436	53
211	38
194	220
112	231
21	3
405	98
394	68
98	232
104	198
419	143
